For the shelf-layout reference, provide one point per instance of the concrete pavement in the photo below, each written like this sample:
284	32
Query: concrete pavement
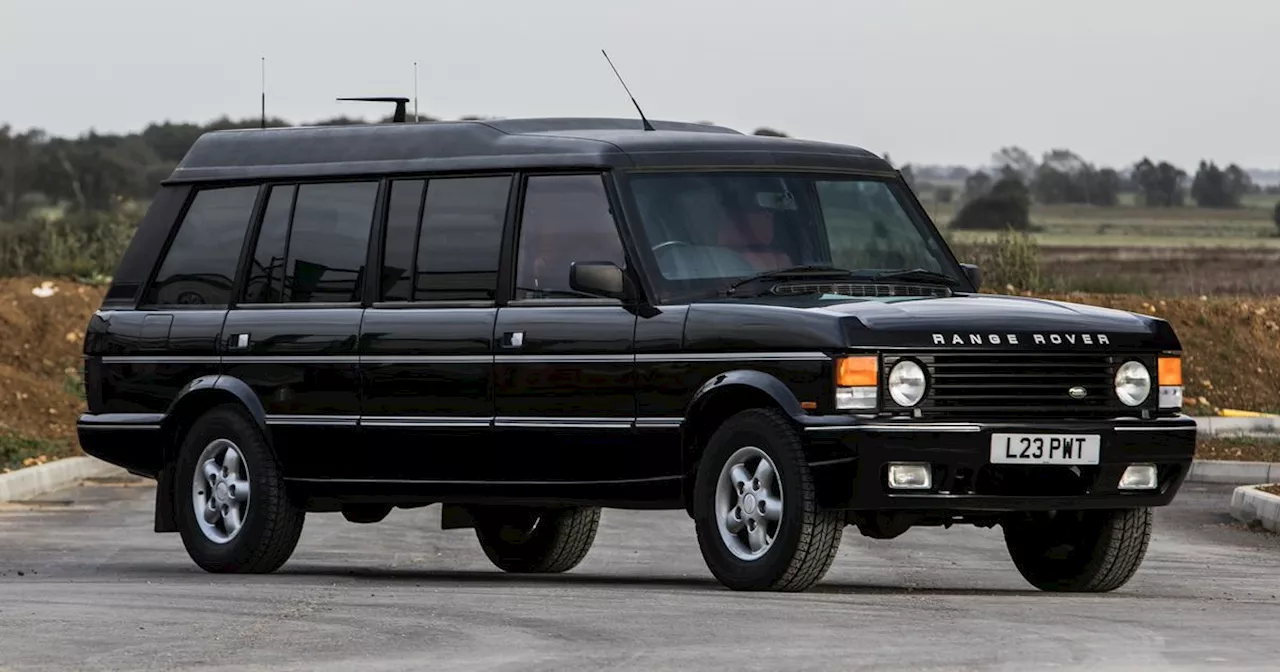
85	584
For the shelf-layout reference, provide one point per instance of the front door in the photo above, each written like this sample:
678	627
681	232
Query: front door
293	336
565	364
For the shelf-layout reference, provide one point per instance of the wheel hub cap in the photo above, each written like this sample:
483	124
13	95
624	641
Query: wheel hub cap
220	491
748	503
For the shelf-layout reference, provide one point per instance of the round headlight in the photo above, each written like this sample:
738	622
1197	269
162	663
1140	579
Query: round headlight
906	383
1133	383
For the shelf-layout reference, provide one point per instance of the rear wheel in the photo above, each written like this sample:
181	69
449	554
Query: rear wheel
1079	551
233	513
536	541
755	507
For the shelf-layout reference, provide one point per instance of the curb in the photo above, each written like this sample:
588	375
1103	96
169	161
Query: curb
1214	425
1230	472
1252	506
30	482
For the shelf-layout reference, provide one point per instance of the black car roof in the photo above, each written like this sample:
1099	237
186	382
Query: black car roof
384	149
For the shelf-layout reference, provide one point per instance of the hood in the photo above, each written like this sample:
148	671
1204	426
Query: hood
986	320
962	322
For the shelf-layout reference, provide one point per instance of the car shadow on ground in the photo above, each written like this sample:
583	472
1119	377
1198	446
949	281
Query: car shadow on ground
698	583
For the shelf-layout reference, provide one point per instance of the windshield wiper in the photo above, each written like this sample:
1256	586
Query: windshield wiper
914	275
807	271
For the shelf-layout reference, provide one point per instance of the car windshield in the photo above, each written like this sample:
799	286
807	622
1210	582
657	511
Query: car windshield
708	230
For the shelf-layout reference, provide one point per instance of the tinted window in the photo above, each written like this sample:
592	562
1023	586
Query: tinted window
461	239
266	275
566	219
328	240
201	261
402	233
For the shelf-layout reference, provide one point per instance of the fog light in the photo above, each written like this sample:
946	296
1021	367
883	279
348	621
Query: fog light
910	477
1139	477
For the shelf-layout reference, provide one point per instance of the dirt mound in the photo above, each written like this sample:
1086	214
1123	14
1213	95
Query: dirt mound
42	325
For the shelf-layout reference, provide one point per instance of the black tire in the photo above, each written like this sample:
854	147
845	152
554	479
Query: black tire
1079	551
807	537
271	525
536	541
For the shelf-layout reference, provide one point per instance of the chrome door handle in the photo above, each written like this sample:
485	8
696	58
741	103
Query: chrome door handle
513	339
238	341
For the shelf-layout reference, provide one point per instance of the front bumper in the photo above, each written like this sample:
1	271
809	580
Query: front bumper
853	459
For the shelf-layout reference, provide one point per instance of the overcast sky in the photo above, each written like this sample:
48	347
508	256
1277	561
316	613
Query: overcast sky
929	81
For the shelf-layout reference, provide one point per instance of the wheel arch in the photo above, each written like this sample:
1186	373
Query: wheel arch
716	401
188	405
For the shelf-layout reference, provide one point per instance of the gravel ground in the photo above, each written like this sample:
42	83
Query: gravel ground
85	584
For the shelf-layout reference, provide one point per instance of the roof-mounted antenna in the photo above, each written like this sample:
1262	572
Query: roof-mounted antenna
400	102
415	92
264	91
647	126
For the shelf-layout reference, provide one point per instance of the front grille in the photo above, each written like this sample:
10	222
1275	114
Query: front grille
861	289
983	385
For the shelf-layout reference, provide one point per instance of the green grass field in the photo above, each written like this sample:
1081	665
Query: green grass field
1132	226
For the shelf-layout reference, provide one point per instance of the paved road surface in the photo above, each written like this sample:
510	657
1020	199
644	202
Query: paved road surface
85	584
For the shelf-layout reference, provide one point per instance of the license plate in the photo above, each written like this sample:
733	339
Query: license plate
1045	448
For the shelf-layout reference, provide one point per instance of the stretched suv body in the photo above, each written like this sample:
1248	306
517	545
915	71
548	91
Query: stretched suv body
528	320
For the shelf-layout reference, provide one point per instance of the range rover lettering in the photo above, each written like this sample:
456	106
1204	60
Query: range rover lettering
526	321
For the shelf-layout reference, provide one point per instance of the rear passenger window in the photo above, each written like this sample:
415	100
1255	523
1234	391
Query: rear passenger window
451	252
312	244
200	265
403	213
265	282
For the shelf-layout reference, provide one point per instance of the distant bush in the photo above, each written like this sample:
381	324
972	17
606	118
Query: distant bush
74	244
1276	216
1006	206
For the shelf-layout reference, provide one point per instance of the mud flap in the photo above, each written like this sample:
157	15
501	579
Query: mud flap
166	515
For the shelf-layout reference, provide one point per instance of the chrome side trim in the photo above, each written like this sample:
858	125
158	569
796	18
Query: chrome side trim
426	359
424	421
290	359
160	359
733	357
314	420
659	423
556	359
564	423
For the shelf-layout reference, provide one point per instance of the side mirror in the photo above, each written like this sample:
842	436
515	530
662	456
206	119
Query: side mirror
974	274
598	278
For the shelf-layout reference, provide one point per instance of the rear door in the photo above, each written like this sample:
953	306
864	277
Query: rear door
293	335
426	346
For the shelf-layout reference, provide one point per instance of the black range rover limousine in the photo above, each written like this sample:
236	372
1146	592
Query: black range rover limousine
528	320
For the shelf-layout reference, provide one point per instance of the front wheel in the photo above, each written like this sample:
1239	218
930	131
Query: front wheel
536	541
1079	551
758	521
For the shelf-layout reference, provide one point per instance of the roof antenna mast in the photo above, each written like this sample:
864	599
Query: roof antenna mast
647	125
415	92
264	91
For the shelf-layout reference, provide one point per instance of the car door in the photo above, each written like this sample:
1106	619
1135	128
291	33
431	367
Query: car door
564	363
426	345
292	337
